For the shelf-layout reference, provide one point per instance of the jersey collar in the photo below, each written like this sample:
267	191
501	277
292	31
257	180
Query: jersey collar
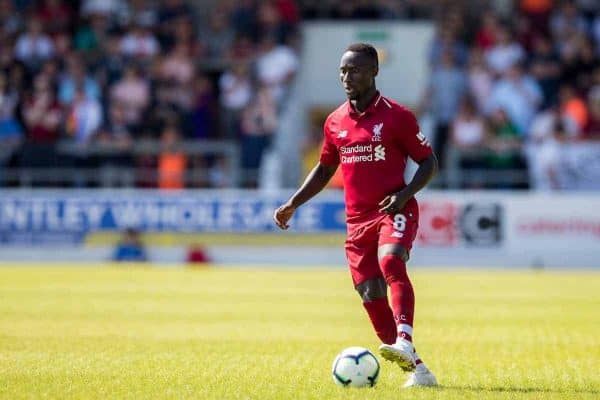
370	108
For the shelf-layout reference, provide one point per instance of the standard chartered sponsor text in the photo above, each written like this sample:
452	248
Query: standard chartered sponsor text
354	154
361	153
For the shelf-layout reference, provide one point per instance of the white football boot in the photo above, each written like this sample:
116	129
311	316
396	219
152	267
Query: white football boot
402	353
421	377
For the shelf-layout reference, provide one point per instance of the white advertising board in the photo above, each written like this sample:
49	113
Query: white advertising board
509	229
462	229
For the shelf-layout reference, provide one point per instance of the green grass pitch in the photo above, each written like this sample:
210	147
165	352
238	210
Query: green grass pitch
135	332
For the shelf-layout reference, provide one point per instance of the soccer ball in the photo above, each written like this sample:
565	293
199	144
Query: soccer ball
355	366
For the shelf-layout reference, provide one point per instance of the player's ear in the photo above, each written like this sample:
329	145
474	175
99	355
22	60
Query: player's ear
375	70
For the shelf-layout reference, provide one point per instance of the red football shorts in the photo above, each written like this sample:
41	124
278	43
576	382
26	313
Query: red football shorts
364	238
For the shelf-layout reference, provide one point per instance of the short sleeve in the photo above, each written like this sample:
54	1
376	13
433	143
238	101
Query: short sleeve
412	140
329	152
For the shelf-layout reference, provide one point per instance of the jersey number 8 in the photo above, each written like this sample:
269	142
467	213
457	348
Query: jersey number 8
399	222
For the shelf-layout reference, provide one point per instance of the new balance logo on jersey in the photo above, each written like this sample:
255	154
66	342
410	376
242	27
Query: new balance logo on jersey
422	139
397	234
379	153
377	132
342	134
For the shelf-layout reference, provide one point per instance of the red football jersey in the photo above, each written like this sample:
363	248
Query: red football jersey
372	147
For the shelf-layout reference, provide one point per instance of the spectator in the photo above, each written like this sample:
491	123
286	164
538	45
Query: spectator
173	97
270	22
445	42
18	79
169	13
242	50
42	116
592	128
573	106
504	143
184	34
11	133
243	18
115	168
485	37
579	62
545	68
290	15
77	77
177	66
567	20
468	128
545	160
171	10
84	117
218	35
109	68
172	161
115	131
480	80
444	94
130	248
468	137
9	98
235	86
142	12
92	35
203	110
596	32
196	254
139	43
114	9
518	95
63	46
56	16
10	21
258	124
505	53
132	93
42	113
276	66
34	46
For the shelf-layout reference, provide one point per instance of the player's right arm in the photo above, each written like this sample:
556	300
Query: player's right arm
316	180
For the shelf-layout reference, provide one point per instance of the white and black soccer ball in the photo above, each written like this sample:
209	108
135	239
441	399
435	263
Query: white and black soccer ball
355	366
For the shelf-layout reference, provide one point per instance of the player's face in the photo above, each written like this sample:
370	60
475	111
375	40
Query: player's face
357	73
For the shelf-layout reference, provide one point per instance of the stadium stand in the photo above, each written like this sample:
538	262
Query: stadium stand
171	94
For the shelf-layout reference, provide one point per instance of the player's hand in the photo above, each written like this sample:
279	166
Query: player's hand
393	203
283	214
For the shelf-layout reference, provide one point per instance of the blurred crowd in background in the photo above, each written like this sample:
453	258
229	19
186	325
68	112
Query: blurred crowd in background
83	84
106	75
510	85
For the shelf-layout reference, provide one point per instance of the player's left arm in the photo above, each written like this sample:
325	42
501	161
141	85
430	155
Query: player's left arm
417	147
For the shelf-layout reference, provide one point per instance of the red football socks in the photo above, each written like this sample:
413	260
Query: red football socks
382	319
403	296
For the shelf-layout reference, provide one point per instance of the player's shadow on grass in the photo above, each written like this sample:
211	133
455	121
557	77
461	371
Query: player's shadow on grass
517	389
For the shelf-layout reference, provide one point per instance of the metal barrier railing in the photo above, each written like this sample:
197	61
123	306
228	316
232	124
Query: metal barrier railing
454	176
107	175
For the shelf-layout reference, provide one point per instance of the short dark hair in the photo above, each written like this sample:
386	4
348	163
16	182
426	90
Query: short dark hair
365	48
